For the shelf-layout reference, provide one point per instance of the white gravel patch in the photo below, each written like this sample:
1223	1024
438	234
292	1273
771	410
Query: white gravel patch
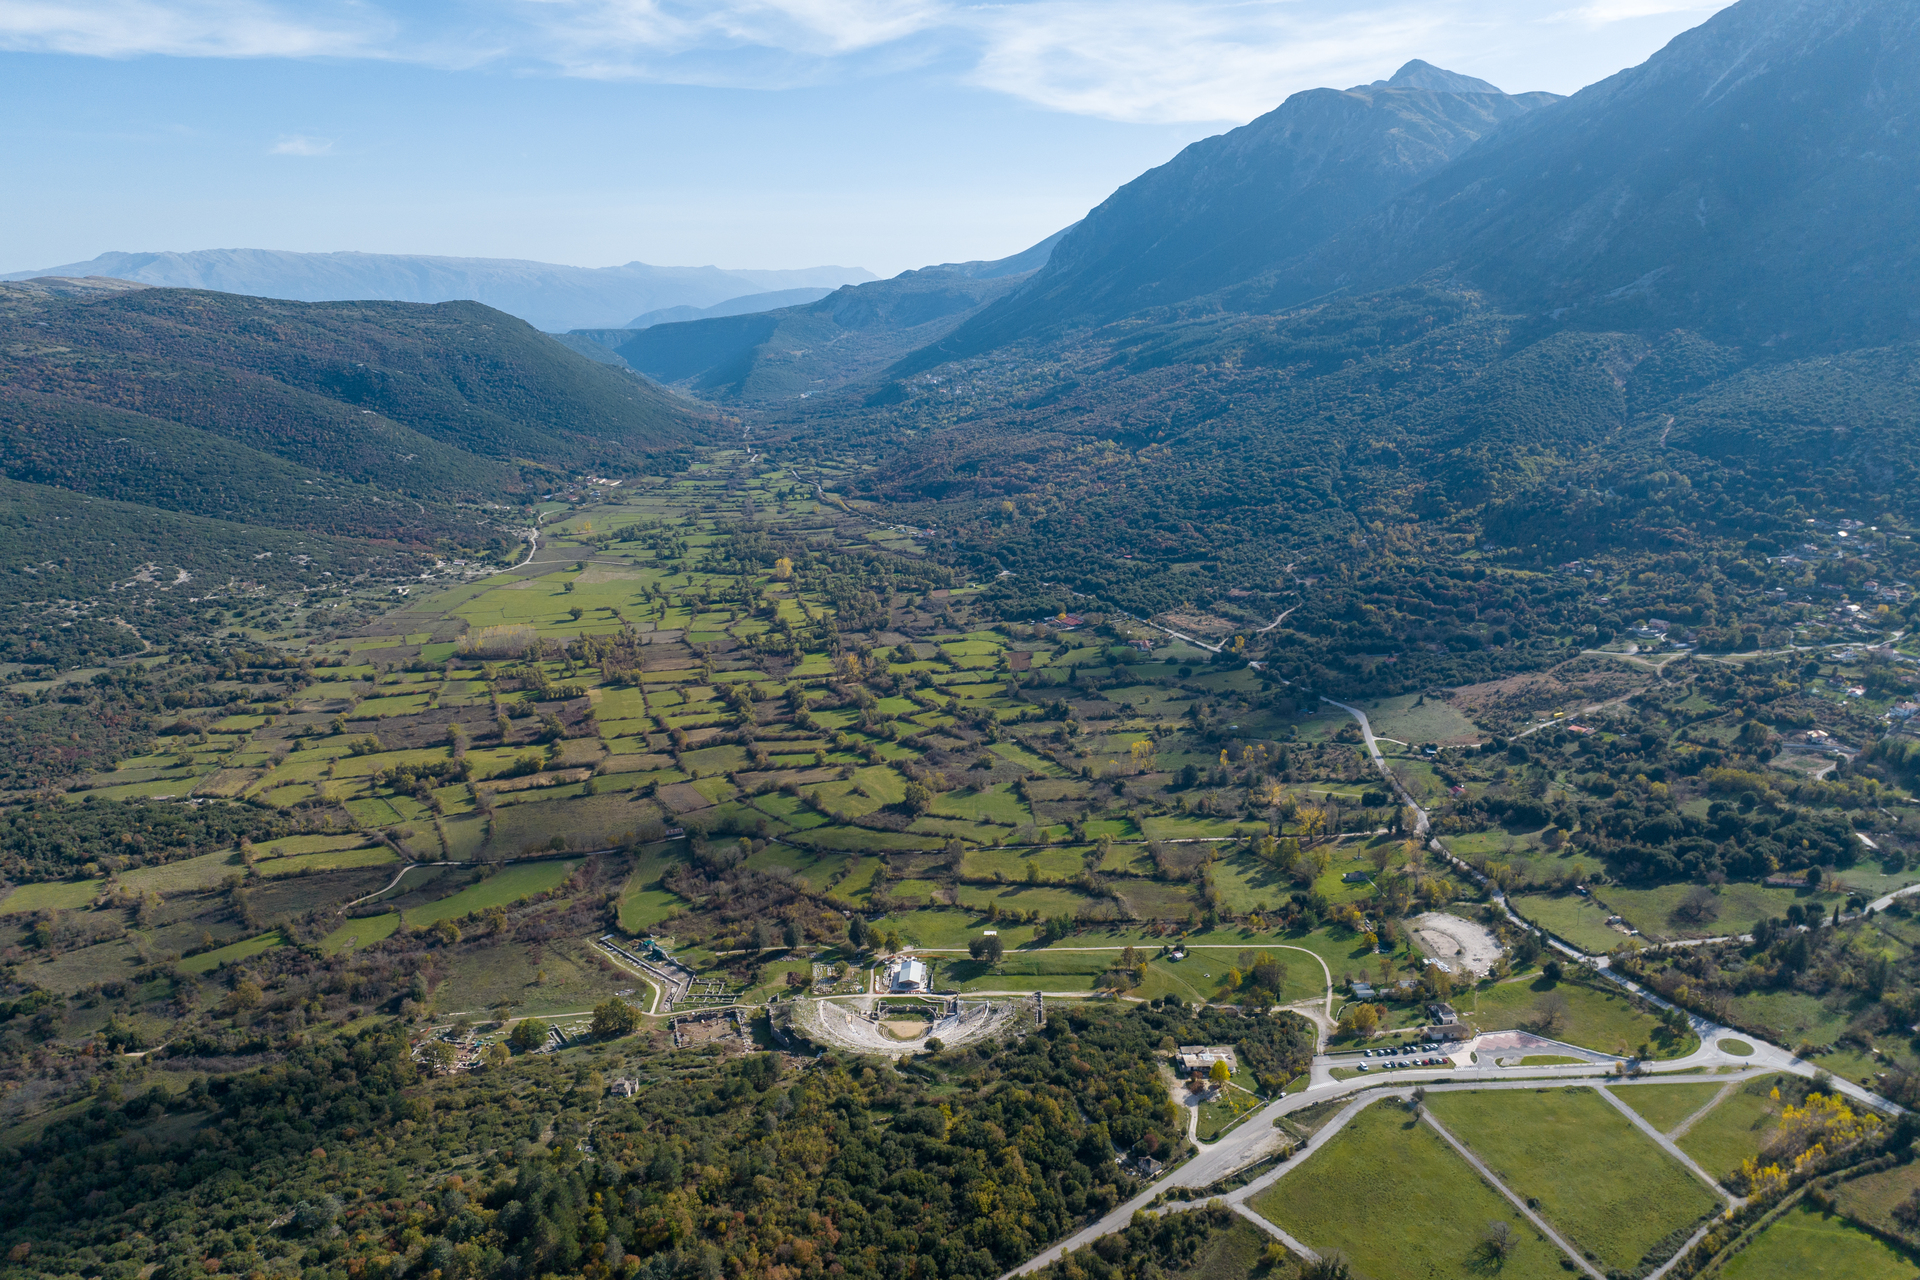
1457	943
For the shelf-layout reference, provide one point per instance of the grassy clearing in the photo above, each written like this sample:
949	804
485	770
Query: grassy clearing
53	895
1384	1157
1594	1017
360	933
1737	908
1872	1199
1732	1131
1804	1243
292	846
332	860
1600	1180
203	872
509	884
1414	719
1664	1106
208	961
1578	920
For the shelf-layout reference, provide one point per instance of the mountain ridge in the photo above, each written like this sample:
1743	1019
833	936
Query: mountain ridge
550	296
1230	206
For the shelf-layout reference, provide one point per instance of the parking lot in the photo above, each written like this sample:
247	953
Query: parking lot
1430	1055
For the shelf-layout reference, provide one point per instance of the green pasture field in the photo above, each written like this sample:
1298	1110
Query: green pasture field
361	933
1806	1244
1048	900
1578	920
51	895
1152	900
918	892
203	872
584	822
996	804
1052	863
1791	1016
1740	907
1664	1106
1245	882
208	961
645	901
287	846
1385	1157
1436	721
1596	1018
564	976
1600	1180
509	884
857	885
864	840
1872	1199
372	856
1733	1131
1032	971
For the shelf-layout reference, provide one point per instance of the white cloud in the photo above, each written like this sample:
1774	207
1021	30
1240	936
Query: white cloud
1602	12
300	145
187	28
1141	60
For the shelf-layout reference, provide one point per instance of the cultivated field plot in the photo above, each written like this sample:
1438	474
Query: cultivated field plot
1440	1206
1601	1181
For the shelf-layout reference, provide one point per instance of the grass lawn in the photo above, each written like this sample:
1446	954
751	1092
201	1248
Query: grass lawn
52	895
1045	899
1873	1198
1792	1016
1804	1243
1600	1180
208	961
1739	908
1596	1018
203	872
1664	1106
1435	721
360	933
1054	864
330	860
1578	920
1383	1157
1732	1131
1032	971
645	902
996	804
509	884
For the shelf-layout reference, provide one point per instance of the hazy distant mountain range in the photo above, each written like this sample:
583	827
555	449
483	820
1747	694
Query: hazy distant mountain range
545	294
762	354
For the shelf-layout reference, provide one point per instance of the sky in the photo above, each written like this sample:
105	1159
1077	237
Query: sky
738	133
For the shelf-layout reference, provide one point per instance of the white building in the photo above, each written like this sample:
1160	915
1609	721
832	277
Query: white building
910	975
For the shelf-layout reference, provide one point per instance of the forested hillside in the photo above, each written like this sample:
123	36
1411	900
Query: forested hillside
167	443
